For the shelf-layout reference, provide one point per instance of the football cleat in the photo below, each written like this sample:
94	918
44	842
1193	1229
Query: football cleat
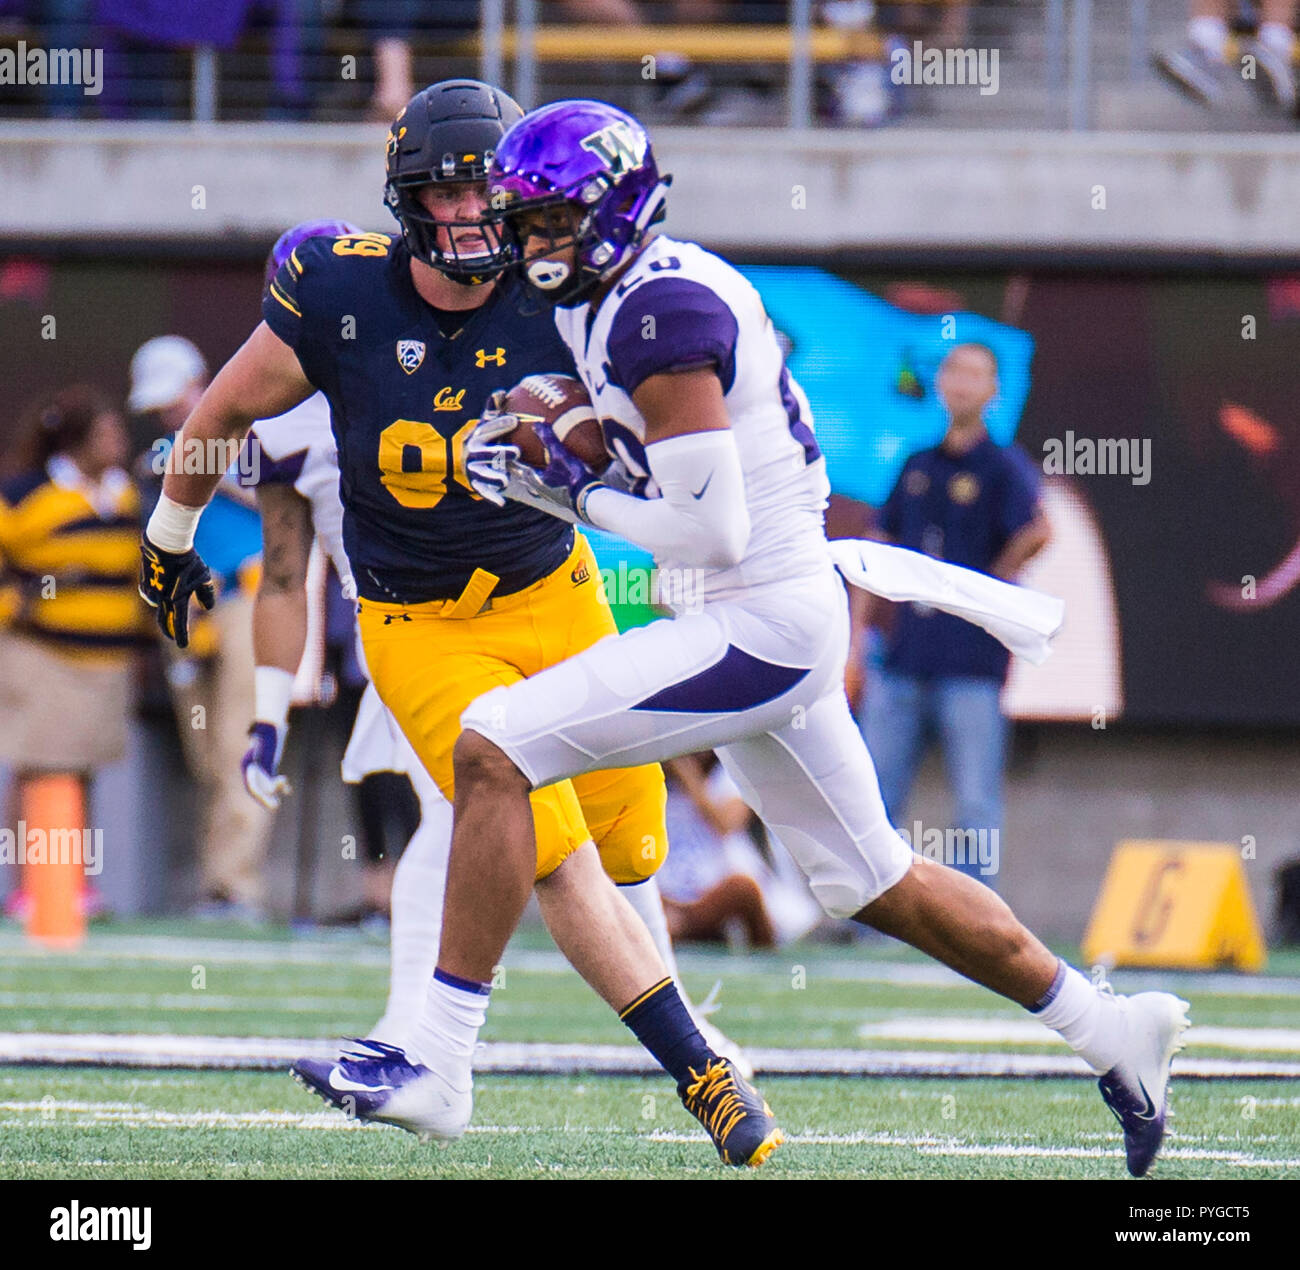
1135	1089
377	1082
720	1043
1193	72
736	1115
1274	78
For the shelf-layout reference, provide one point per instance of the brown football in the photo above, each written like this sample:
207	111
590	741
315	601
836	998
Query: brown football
562	401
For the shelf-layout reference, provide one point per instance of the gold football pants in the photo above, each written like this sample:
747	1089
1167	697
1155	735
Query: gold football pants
429	661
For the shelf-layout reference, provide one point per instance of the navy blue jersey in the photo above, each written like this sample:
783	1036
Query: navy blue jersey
964	510
403	399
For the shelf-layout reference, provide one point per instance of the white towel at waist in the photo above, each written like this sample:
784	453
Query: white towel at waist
1025	621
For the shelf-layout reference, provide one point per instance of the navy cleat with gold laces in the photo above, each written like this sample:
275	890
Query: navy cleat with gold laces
735	1114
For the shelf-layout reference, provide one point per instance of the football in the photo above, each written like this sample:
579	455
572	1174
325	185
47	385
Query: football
562	401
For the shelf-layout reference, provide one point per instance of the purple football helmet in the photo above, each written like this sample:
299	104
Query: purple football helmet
299	234
577	173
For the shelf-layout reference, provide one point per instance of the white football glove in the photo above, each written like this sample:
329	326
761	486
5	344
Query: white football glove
260	763
498	473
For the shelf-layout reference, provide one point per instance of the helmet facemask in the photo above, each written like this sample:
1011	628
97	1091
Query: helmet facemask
553	222
433	240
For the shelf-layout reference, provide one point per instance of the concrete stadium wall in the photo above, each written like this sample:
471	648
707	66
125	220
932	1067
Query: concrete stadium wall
1075	794
734	188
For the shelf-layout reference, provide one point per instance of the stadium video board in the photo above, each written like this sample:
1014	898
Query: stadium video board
1159	407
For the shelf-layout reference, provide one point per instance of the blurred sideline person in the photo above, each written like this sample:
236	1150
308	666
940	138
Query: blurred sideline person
211	681
1199	66
974	503
456	594
718	885
70	618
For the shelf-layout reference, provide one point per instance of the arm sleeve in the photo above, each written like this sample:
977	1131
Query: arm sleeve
670	324
701	519
284	470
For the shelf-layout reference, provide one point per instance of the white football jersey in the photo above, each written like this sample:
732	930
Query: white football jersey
680	304
297	448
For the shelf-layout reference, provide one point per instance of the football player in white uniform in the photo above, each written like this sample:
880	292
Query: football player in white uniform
721	477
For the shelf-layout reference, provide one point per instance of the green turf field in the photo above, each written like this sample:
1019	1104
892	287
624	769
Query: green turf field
61	1121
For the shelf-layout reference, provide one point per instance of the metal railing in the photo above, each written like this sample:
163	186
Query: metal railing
1075	64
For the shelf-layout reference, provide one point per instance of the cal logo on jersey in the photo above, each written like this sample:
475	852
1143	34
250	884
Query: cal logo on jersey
445	399
410	355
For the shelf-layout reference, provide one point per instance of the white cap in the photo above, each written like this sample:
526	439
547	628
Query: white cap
161	370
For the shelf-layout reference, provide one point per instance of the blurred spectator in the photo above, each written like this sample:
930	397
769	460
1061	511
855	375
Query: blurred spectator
70	613
718	885
137	32
212	680
1200	68
974	503
859	94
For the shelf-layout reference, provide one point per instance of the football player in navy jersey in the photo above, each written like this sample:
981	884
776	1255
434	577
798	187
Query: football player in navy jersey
406	338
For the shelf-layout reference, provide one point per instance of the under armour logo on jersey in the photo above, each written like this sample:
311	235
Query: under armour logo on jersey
410	355
445	399
482	357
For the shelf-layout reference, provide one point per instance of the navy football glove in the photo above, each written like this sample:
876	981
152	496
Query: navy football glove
167	580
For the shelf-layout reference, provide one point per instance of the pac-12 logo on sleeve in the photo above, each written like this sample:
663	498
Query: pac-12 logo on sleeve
410	355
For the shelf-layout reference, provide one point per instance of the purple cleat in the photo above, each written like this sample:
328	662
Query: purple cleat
375	1081
1135	1089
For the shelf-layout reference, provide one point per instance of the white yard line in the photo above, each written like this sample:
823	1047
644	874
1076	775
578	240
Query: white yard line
18	1114
276	1053
930	1145
198	999
1271	1040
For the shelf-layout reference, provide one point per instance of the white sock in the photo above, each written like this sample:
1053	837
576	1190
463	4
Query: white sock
1089	1021
1276	36
1210	35
447	1031
649	905
418	885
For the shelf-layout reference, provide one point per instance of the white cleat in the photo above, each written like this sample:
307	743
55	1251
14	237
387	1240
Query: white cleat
429	1106
724	1047
375	1081
1136	1088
